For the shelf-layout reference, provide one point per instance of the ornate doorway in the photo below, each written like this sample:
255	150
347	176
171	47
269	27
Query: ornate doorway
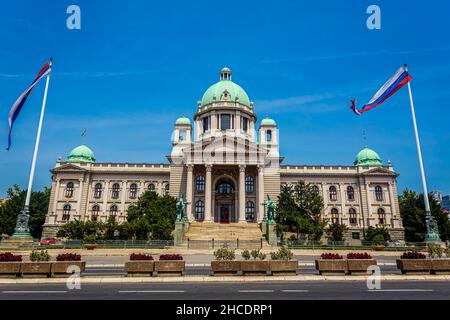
224	201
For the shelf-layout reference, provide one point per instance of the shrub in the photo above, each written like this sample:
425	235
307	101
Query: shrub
90	238
373	232
378	239
331	256
245	254
355	255
171	257
435	250
282	254
413	255
9	257
39	255
68	257
224	254
140	256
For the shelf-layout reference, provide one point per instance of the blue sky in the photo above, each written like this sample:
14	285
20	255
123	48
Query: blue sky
135	66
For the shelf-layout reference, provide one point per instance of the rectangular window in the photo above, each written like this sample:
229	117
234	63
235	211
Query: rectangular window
244	124
269	135
225	122
355	235
205	124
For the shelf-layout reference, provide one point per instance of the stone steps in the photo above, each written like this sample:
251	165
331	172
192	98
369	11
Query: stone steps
232	231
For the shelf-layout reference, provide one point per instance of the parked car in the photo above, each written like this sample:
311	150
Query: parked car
47	241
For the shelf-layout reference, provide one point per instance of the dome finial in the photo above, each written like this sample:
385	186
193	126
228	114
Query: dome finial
225	73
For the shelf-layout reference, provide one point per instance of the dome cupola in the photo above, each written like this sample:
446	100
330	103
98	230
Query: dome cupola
368	157
81	154
183	121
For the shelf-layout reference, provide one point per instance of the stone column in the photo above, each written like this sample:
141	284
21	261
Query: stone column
123	199
55	201
105	197
369	205
391	200
343	199
242	193
190	169
80	195
260	193
208	193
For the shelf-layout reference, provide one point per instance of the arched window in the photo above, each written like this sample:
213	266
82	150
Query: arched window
250	211
133	191
98	190
115	191
315	189
167	189
69	190
199	210
352	216
378	193
66	212
350	193
381	216
95	210
200	183
334	215
113	210
151	187
225	188
333	193
249	184
94	217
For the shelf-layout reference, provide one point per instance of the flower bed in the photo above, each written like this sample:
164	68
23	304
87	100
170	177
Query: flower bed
331	264
67	264
140	265
9	265
413	262
359	263
170	265
225	263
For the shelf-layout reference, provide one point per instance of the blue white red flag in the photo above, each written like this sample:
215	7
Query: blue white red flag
400	78
17	106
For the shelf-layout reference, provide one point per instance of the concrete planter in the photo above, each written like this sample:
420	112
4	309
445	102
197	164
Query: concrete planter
9	269
170	267
90	246
331	266
225	267
36	269
255	267
139	268
378	248
414	266
440	266
283	267
60	268
359	266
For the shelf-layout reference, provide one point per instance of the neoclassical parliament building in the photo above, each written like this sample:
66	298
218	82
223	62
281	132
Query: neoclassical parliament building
224	162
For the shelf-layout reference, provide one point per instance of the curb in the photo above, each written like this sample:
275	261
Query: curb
187	279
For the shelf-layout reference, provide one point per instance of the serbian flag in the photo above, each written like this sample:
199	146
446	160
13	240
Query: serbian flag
400	78
17	106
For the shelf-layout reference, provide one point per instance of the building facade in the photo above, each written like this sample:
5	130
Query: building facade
225	164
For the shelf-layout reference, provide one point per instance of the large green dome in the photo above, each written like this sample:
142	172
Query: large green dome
214	93
368	157
81	154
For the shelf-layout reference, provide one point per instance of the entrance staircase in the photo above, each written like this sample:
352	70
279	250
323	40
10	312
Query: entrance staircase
233	235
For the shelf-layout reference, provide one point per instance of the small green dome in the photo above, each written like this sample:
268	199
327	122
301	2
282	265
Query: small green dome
81	154
268	122
183	120
368	157
235	91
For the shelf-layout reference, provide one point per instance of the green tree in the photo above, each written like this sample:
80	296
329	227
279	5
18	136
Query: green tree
110	228
335	231
299	211
412	210
373	233
15	203
153	216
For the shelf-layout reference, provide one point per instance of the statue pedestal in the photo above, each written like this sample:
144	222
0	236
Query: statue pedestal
271	234
181	228
18	241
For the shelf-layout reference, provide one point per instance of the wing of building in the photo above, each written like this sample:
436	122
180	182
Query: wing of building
225	166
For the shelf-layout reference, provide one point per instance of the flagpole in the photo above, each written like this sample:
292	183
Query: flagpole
23	217
432	233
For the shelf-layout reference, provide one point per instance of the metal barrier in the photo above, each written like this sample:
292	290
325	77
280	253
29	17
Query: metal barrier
231	244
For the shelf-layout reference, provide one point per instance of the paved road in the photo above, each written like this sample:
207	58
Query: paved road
401	290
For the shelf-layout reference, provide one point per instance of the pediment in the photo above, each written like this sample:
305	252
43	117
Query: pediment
68	167
380	171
